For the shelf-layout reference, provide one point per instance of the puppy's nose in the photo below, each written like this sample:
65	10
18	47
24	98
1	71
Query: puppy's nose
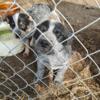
44	43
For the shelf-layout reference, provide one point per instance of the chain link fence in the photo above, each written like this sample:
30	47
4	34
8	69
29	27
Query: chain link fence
82	79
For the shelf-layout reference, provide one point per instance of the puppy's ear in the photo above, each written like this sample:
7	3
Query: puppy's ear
23	16
26	16
43	27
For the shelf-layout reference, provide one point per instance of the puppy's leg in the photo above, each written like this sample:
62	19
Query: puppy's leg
40	71
60	75
27	50
31	41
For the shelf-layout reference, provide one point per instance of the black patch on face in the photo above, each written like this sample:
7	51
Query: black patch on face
44	43
60	32
23	21
11	22
36	34
43	46
43	27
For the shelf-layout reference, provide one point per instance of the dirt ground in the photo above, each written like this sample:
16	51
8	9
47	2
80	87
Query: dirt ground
78	16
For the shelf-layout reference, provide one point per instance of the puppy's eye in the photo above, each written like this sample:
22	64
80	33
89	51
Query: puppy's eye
57	31
44	43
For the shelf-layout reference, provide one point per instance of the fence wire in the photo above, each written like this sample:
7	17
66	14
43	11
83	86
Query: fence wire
18	83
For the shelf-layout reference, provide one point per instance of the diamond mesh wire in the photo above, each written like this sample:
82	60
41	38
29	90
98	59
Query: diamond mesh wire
17	73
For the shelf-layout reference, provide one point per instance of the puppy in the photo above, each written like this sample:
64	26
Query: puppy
51	52
21	24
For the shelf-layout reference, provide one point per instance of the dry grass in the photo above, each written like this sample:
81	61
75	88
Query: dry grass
72	84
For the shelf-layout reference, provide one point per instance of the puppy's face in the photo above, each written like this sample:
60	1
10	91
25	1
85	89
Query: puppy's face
24	22
54	33
20	23
42	44
25	25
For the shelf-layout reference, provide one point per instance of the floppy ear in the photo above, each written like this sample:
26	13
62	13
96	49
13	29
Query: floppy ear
10	21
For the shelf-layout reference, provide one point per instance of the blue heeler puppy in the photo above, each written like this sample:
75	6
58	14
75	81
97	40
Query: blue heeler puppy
51	52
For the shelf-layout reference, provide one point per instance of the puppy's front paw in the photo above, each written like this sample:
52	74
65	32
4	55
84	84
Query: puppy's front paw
57	82
26	52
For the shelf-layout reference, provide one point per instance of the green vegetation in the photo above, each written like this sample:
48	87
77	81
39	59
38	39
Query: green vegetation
3	32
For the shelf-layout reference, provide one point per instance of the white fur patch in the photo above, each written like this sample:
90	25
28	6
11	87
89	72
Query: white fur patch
15	18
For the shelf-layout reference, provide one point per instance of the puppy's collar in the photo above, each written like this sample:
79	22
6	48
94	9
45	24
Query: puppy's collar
15	18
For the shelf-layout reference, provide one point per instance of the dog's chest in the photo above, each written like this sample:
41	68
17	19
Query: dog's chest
58	59
55	60
51	52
